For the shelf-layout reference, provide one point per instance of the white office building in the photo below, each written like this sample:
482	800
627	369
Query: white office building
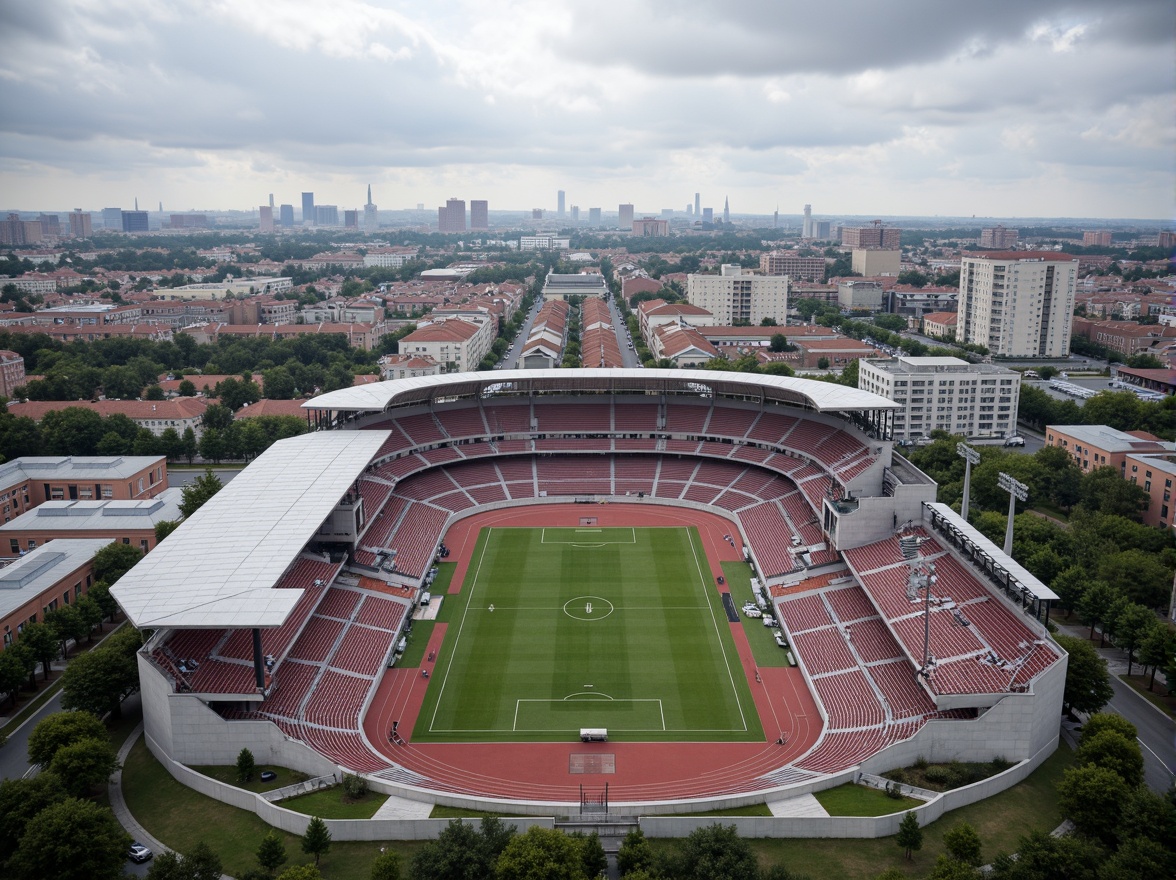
1018	303
945	393
737	294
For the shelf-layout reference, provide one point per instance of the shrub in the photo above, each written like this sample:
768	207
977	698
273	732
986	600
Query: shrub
354	787
245	765
938	774
920	763
893	791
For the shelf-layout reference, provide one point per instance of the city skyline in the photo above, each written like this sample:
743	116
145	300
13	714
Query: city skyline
1056	109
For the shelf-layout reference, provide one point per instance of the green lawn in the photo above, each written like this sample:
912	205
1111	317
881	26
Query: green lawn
328	803
228	775
761	638
614	628
860	800
181	817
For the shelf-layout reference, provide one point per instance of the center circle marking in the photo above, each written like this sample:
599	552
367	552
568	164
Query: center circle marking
578	608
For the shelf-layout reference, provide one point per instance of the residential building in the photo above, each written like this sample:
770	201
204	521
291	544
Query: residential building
262	310
351	218
560	200
883	237
793	265
130	522
625	216
326	215
543	243
30	481
915	303
265	220
188	221
134	221
822	230
12	372
458	344
859	295
44	580
1124	338
389	258
872	262
635	284
651	227
998	237
708	215
155	415
1155	474
738	296
1166	239
594	217
81	225
941	325
681	344
452	217
1097	446
286	215
944	393
408	366
479	214
340	310
112	218
1018	303
308	209
1099	238
654	313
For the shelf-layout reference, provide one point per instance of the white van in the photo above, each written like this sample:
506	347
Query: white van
426	598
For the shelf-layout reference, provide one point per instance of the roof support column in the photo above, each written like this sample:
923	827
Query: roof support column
258	660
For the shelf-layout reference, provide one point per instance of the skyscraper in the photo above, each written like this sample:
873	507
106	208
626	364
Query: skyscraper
452	217
594	216
1017	303
112	218
80	224
286	216
326	215
807	230
134	221
479	214
371	219
271	204
776	218
351	218
708	215
625	216
266	219
560	203
308	209
726	210
697	204
575	213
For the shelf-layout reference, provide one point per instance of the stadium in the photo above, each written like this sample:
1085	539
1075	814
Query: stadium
605	527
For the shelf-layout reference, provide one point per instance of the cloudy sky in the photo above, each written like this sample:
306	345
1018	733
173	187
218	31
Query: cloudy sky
1031	108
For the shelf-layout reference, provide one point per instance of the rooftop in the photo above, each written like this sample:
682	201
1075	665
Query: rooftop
40	569
218	569
906	364
76	467
1112	439
83	516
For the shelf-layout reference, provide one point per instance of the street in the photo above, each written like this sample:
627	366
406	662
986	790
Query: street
1157	735
628	355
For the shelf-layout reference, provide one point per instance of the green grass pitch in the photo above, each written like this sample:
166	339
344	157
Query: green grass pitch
559	629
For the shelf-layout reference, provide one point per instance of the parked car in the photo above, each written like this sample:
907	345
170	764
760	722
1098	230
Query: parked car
269	775
139	853
1015	441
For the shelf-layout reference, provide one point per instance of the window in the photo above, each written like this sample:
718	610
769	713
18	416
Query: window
14	545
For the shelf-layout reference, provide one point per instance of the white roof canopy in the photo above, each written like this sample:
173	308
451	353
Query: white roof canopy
218	569
820	396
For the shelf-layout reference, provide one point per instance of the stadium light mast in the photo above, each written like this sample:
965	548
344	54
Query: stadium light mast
920	577
1018	491
970	457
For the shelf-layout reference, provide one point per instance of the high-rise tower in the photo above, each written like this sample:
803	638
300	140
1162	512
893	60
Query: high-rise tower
726	210
560	203
697	205
807	230
308	209
370	217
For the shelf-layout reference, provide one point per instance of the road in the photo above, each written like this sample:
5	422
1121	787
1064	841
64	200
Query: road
1157	735
511	358
628	354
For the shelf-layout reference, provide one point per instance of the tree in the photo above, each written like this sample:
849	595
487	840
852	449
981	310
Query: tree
1088	684
168	866
778	343
592	858
713	851
1096	602
83	765
62	729
41	642
317	839
189	446
90	614
1089	795
1070	584
822	363
948	868
217	416
540	854
1134	625
386	866
1138	575
1104	721
245	765
199	491
71	840
456	854
100	593
963	844
1105	490
187	388
301	872
67	626
1148	814
16	665
163	528
910	835
1139	859
199	864
20	801
114	560
1041	856
1157	650
101	680
271	854
1111	750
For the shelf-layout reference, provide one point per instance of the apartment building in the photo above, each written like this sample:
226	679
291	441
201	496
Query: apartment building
941	325
408	366
790	263
1096	446
999	237
44	580
885	237
457	343
737	295
945	393
1018	303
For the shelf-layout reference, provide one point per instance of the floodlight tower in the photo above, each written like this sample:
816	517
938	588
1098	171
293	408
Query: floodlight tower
920	577
1018	491
971	457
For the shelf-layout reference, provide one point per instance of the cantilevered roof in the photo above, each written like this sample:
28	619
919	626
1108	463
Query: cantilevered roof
1018	572
820	396
219	567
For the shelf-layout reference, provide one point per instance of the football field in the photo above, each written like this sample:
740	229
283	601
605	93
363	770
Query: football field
559	629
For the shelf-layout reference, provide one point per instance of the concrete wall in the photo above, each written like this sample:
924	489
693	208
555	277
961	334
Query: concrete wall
848	826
